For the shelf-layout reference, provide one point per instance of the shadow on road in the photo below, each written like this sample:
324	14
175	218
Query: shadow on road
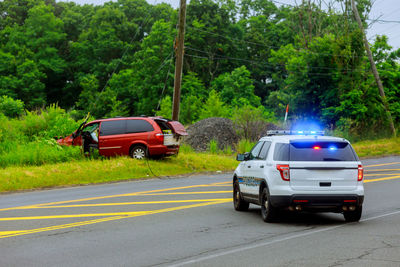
302	218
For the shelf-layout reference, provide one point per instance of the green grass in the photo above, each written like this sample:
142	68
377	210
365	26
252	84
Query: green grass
81	171
109	170
378	148
37	153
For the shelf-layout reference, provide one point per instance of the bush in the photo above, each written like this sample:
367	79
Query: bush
48	123
244	145
10	107
249	122
28	140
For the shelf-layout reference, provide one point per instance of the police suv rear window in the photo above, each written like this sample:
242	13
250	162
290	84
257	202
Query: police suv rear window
281	152
321	151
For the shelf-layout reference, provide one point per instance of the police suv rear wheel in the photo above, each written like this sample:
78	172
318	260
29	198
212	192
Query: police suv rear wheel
238	202
353	216
268	212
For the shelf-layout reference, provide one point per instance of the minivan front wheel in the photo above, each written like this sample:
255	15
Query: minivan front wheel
138	152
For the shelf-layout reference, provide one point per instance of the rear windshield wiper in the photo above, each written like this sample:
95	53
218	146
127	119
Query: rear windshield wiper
331	159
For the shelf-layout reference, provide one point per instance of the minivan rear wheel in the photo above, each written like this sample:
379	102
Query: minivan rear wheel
138	152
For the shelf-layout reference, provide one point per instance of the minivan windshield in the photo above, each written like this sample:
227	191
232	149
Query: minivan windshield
321	151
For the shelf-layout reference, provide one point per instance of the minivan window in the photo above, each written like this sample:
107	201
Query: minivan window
281	152
138	126
321	151
112	127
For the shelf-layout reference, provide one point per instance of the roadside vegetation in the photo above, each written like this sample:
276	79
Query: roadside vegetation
378	148
243	58
110	170
244	61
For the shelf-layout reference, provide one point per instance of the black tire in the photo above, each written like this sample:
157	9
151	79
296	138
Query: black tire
139	152
238	202
268	212
353	216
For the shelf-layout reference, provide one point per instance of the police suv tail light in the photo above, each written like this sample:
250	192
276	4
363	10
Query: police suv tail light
360	173
284	170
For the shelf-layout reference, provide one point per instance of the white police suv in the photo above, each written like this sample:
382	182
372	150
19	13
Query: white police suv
300	170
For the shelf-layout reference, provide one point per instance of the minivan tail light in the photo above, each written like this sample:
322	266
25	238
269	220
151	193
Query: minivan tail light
160	137
360	173
284	170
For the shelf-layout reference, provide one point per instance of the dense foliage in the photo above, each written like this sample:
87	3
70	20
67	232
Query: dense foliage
29	140
257	56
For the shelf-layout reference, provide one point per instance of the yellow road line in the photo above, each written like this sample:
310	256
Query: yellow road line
120	195
68	216
381	174
187	193
63	226
383	164
6	234
124	203
382	179
382	170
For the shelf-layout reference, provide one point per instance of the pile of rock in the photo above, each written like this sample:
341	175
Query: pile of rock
219	129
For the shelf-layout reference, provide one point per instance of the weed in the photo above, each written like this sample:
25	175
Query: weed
244	145
213	146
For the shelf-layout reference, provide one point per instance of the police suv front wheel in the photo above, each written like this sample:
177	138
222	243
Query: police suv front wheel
238	202
268	212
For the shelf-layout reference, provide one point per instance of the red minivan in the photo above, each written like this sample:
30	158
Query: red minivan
137	137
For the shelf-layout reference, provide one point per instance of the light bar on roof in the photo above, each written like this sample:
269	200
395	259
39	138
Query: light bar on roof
289	132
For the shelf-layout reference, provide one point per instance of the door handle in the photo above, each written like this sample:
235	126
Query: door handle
249	166
262	166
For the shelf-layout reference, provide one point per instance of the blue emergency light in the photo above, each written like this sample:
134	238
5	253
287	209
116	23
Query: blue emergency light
289	132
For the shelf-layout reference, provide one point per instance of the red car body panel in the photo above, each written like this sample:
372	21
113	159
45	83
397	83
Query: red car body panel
121	144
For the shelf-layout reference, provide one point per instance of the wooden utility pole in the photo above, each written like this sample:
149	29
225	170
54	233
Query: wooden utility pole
179	60
373	67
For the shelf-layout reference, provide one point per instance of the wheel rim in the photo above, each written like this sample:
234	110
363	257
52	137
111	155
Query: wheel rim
236	195
138	153
264	202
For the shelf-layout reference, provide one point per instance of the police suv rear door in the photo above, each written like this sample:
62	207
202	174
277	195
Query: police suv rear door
327	165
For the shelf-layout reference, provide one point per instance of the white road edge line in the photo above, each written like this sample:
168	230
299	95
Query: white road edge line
216	255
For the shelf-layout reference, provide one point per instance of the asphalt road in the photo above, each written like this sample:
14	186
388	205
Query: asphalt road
190	221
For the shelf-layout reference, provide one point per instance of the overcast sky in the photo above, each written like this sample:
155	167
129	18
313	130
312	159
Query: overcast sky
383	9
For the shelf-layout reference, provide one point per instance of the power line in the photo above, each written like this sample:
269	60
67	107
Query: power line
271	46
256	61
384	21
271	64
278	65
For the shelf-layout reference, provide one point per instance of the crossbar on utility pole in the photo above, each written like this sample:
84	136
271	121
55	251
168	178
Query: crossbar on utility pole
179	61
374	70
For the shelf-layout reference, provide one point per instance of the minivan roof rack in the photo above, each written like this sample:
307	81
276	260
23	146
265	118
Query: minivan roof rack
291	132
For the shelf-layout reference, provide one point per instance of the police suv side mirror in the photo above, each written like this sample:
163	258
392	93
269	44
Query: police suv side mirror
243	157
